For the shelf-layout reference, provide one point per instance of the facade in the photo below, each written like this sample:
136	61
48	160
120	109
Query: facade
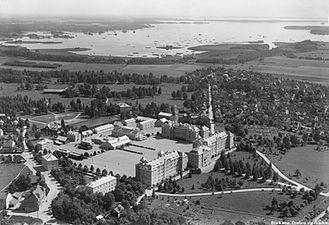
199	157
129	122
168	164
124	107
54	91
45	144
145	122
103	128
73	136
204	132
161	122
132	133
86	145
217	142
181	131
230	140
60	140
115	143
183	160
86	133
165	115
49	162
103	185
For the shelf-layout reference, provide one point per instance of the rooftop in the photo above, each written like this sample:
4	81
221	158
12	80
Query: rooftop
101	181
50	157
123	104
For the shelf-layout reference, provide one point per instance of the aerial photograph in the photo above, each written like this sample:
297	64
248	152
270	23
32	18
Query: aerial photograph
164	112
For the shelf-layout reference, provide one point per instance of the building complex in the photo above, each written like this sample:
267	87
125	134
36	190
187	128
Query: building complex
103	185
168	164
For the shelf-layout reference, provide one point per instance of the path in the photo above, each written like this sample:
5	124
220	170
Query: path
298	185
319	217
44	212
218	192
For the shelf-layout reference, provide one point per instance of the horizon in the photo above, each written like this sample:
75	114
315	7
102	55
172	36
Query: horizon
165	8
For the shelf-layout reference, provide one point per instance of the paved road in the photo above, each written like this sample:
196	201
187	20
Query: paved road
218	192
44	212
319	217
298	185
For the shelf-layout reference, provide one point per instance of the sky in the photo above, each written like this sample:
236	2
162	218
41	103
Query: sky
168	8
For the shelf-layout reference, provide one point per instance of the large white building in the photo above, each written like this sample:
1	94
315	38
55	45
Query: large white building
103	185
45	144
181	131
49	162
114	143
168	164
145	122
73	136
132	133
103	128
217	142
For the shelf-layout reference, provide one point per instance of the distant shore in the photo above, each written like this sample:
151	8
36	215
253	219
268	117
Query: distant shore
318	30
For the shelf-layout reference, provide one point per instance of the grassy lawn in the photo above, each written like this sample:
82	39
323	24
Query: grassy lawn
245	207
9	171
165	97
299	69
96	121
117	161
25	220
312	164
198	179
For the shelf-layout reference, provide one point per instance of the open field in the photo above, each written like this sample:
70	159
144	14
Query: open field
312	164
165	96
123	162
244	207
9	171
117	161
17	220
198	179
170	69
11	90
159	143
55	117
299	69
96	121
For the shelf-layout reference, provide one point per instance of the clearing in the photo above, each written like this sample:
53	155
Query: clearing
312	164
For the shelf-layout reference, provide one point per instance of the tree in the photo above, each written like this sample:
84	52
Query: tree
27	123
316	136
98	172
298	173
37	134
274	204
92	168
108	200
286	142
30	145
104	172
63	125
34	128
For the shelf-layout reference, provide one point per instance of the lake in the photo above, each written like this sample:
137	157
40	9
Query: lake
182	34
